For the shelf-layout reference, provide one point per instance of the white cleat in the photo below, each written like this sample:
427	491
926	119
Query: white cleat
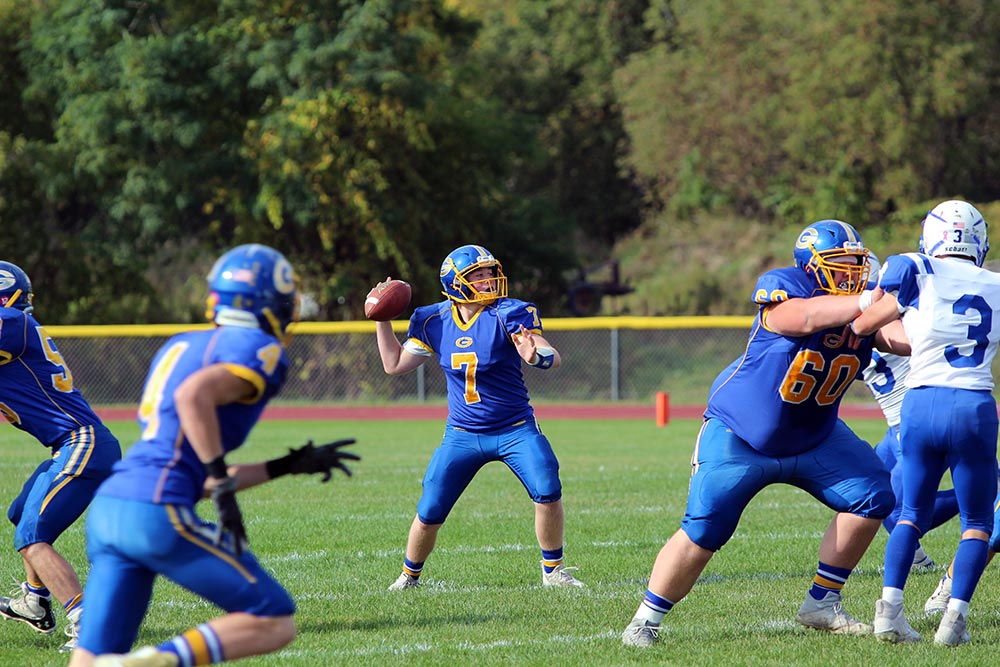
891	625
403	582
561	577
922	564
937	603
951	631
640	633
72	630
828	614
147	656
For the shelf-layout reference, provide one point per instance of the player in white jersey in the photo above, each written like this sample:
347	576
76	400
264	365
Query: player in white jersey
885	377
948	304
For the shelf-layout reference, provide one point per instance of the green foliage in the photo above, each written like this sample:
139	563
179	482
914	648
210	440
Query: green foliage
808	110
365	139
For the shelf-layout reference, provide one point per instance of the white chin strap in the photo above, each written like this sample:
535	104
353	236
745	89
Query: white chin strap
232	317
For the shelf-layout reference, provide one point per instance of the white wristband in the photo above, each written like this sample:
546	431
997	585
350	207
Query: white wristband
865	300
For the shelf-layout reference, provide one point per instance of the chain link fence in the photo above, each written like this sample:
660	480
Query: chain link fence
605	360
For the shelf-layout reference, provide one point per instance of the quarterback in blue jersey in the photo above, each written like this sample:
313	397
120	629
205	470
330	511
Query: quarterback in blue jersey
37	396
481	337
948	305
204	392
772	418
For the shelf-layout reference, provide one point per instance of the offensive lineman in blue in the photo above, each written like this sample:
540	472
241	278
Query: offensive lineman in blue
772	418
37	396
480	337
948	304
204	392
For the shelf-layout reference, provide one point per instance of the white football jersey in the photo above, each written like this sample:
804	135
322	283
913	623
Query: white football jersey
886	377
950	311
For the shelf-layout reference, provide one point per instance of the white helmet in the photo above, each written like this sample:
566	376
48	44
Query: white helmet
955	228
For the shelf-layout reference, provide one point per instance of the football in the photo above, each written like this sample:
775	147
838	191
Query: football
387	300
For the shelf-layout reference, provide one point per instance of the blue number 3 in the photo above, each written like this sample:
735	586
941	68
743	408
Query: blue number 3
979	332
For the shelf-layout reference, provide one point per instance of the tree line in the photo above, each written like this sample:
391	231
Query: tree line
368	138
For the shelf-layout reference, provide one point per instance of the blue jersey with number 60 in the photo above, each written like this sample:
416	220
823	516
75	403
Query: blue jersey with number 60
782	395
950	318
36	387
163	467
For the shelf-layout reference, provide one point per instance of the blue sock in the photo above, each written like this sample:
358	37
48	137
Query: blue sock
551	559
968	566
828	579
899	555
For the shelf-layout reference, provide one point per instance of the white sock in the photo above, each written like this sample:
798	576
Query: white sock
893	596
961	606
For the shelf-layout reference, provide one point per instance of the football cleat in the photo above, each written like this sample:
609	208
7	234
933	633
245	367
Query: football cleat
937	603
403	582
147	656
29	608
72	630
640	633
922	563
828	614
890	624
951	631
561	577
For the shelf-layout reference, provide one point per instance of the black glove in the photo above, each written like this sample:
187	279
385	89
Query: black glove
230	519
308	460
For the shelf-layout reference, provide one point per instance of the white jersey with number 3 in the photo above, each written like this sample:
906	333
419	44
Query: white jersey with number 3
950	311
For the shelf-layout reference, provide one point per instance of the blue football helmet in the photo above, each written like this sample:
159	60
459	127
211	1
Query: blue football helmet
15	288
463	261
253	286
828	247
955	228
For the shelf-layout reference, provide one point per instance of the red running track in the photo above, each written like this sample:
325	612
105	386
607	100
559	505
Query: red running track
440	412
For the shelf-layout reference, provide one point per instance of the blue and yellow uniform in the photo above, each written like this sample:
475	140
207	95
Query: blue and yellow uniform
490	417
37	396
144	522
772	417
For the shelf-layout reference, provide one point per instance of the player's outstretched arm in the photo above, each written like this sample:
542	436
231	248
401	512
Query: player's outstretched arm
804	316
879	314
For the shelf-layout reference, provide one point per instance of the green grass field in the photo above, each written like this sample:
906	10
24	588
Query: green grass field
337	547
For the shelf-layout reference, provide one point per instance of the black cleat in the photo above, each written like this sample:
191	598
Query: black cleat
29	608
